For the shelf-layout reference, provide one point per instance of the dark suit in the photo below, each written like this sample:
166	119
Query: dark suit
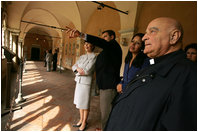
108	62
55	61
108	65
161	97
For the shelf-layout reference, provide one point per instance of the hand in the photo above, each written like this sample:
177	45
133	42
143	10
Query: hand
73	32
80	71
119	88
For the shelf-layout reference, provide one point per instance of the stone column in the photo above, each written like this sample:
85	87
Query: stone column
15	36
6	37
61	56
21	48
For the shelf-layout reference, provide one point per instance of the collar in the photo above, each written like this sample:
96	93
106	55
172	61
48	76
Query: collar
164	63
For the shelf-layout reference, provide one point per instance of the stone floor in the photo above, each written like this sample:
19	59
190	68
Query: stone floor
49	102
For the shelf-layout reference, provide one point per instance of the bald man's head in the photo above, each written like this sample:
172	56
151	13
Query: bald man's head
170	24
162	37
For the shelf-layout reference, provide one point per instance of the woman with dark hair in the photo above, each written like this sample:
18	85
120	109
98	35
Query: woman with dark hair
191	52
134	61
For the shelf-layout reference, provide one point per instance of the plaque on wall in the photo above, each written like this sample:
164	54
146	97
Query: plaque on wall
69	51
69	61
77	54
124	42
65	49
73	49
77	46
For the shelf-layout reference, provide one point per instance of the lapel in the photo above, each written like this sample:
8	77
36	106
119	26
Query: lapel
86	58
91	56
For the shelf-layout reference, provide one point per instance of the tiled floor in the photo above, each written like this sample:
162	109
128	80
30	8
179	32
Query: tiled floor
49	102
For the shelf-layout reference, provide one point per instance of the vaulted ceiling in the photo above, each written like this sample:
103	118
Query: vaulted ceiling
58	14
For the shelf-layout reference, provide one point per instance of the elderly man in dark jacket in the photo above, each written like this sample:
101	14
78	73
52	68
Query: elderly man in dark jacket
162	96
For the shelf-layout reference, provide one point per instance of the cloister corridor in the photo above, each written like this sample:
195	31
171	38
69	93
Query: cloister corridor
49	101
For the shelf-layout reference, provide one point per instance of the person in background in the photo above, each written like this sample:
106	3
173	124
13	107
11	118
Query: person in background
49	60
45	62
55	60
191	52
135	60
162	96
108	65
84	68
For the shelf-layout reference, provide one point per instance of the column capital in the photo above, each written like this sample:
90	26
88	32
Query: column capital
14	31
20	40
126	31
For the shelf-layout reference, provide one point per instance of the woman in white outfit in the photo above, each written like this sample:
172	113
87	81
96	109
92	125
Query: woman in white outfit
83	69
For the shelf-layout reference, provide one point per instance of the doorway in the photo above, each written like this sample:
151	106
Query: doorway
35	54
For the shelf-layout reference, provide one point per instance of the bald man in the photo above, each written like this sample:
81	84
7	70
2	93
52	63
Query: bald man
162	97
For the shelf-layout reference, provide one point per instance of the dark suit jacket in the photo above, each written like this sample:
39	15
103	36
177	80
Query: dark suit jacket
161	97
108	62
55	57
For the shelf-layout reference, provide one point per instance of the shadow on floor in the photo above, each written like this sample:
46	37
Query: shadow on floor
49	105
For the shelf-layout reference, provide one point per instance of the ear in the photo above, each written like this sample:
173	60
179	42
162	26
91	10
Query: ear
174	36
112	37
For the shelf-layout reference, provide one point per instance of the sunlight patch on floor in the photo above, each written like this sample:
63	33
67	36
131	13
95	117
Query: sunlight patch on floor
30	79
36	94
32	82
67	127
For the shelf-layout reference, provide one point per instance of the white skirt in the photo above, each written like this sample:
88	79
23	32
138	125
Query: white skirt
82	96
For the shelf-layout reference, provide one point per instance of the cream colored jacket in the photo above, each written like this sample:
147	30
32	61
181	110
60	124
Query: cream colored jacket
87	63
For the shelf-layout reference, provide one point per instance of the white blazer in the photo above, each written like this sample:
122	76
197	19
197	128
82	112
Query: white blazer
87	63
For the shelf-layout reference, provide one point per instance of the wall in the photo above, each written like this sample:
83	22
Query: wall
183	11
103	20
68	51
71	49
